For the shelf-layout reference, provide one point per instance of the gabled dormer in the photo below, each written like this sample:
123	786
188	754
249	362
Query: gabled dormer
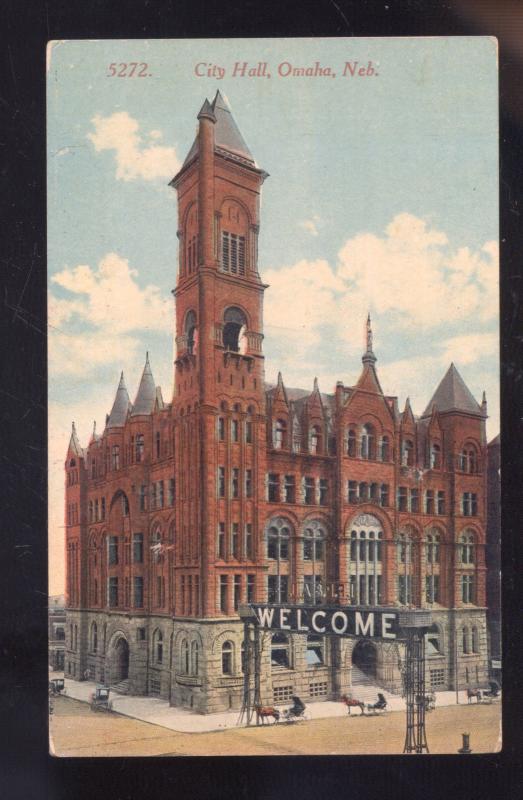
279	431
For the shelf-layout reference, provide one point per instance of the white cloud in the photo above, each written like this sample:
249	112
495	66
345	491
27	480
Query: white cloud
119	132
110	308
413	273
310	225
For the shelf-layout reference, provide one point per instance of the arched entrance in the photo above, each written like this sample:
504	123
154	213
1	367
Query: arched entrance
364	658
120	660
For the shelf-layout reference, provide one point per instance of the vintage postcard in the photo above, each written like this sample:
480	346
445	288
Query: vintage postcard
273	397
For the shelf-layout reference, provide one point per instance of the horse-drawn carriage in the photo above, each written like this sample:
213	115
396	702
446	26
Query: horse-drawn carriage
485	696
57	687
296	713
367	709
100	699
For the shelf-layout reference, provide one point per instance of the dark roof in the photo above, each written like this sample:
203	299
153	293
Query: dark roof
452	394
121	406
146	395
227	135
74	443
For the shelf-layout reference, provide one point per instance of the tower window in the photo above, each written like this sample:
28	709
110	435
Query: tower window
234	321
233	253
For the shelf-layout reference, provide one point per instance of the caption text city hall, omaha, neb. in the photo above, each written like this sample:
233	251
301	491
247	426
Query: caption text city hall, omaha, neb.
238	491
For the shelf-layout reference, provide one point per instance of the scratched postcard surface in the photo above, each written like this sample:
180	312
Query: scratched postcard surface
273	396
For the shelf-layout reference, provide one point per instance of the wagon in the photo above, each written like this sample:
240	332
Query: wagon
100	699
57	687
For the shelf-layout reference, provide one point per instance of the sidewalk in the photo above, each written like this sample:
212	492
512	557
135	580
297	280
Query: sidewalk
159	712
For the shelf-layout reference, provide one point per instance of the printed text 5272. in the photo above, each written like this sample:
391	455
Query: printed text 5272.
133	69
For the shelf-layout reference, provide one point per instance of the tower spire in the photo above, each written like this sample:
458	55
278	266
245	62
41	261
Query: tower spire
368	356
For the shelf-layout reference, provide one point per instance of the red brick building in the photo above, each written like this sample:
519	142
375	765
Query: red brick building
237	491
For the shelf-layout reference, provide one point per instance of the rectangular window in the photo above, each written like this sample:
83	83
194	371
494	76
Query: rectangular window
221	540
278	588
153	496
221	481
223	593
353	492
324	491
414	501
235	540
274	487
405	589
290	489
140	634
402	498
248	432
172	491
437	678
310	492
282	694
138	548
248	483
236	482
467	588
221	429
126	593
248	540
465	504
237	591
160	494
432	588
113	550
113	592
441	503
235	426
312	589
233	253
250	588
474	504
138	592
143	495
384	495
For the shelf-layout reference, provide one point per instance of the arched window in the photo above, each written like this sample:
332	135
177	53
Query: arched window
468	459
314	440
467	548
366	561
234	320
185	657
435	456
158	646
191	332
385	448
465	640
314	537
115	457
280	655
227	658
351	443
278	533
407	453
139	447
367	442
195	652
475	640
279	434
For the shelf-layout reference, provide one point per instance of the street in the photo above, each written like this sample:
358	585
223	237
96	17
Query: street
110	734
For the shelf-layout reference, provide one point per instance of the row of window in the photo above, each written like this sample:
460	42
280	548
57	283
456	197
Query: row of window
282	489
72	514
237	591
235	427
96	510
234	485
409	500
235	547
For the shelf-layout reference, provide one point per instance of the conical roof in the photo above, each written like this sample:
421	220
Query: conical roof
452	394
146	395
227	135
120	408
74	443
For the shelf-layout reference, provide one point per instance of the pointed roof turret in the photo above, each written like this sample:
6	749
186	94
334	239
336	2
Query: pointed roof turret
227	135
146	395
368	356
407	415
121	406
74	443
452	394
484	404
94	435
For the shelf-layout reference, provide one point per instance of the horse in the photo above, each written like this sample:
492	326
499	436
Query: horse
473	693
264	712
351	702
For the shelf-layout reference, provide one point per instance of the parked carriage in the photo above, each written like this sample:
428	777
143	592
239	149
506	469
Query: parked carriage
100	699
57	687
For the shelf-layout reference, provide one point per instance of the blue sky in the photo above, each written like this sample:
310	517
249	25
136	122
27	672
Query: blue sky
377	183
